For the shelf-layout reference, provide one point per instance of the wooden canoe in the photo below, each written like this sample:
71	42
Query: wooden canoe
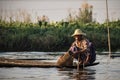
32	63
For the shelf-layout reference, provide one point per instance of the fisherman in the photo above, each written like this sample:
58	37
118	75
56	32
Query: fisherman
81	49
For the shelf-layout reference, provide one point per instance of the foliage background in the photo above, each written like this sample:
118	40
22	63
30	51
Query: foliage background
44	36
24	35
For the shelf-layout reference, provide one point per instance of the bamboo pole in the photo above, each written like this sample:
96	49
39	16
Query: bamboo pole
107	20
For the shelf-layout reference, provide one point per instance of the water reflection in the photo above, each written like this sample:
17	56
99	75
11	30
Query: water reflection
106	70
82	74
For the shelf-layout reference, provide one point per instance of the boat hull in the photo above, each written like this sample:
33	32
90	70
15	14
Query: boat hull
31	63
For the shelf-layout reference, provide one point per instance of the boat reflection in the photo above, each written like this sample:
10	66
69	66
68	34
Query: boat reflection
82	74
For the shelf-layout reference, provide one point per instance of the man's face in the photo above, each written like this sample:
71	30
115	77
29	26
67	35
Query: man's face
78	37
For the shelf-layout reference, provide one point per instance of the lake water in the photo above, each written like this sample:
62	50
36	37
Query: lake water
108	69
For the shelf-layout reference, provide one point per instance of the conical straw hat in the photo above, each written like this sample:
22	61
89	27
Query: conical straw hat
78	32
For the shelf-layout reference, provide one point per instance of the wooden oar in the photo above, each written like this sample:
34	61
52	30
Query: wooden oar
78	65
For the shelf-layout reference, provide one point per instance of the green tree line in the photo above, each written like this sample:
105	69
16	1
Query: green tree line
44	36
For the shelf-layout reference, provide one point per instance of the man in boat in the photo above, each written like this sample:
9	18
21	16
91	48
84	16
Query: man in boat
81	49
